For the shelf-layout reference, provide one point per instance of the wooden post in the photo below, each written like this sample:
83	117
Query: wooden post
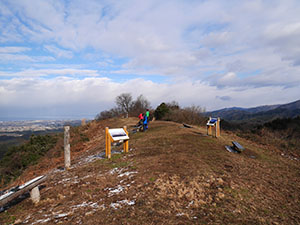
35	195
126	143
107	144
67	147
209	128
218	130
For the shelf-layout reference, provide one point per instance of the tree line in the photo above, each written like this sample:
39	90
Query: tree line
126	106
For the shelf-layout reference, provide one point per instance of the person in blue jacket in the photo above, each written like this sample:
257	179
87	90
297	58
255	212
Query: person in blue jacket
145	123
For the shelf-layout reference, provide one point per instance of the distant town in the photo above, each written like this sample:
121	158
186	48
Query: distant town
14	128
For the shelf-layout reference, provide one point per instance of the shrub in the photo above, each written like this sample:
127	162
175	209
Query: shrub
18	158
190	115
172	112
161	111
107	114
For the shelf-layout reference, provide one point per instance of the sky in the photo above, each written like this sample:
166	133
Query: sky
63	58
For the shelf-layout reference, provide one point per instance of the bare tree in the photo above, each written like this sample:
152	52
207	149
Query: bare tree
140	105
124	102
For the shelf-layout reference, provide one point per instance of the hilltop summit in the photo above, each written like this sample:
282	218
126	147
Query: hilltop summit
172	175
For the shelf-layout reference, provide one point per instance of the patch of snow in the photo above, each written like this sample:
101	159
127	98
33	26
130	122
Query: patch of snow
115	205
64	180
113	191
85	204
41	221
118	204
89	159
94	205
127	202
114	170
126	174
61	215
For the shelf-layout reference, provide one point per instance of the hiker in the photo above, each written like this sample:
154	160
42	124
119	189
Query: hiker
145	123
148	116
141	118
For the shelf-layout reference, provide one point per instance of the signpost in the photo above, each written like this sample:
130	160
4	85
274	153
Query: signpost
114	135
67	152
213	123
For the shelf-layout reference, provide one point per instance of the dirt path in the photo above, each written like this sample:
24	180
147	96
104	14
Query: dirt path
172	175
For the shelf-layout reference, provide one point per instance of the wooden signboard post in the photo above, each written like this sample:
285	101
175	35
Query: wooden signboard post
213	123
114	135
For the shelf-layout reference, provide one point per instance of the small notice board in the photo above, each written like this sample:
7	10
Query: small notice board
113	135
213	123
118	134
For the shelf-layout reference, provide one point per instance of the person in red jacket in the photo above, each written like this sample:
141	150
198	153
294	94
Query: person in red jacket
141	118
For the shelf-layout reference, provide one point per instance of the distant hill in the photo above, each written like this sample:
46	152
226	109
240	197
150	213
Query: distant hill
258	114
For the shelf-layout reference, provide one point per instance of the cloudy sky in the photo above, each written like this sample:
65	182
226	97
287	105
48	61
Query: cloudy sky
72	58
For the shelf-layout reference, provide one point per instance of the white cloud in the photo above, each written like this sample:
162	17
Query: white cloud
13	49
58	52
235	50
92	95
12	58
47	72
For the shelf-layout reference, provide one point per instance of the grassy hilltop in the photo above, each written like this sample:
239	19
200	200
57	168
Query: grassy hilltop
172	175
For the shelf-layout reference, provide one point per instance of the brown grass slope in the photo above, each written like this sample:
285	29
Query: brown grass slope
172	175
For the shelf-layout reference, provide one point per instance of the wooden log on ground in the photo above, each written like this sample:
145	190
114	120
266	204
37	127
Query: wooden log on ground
4	199
187	126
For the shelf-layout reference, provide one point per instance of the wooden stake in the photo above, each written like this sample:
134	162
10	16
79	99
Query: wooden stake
83	122
107	144
218	130
208	128
126	143
67	147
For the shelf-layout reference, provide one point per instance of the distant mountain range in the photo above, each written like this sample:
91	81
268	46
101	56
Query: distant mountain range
258	114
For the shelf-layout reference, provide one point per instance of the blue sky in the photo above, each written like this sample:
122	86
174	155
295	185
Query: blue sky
72	58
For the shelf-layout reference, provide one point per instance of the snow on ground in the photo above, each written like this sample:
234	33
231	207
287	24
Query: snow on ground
119	204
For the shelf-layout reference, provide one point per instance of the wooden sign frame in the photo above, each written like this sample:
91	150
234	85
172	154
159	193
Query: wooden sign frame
114	135
213	123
